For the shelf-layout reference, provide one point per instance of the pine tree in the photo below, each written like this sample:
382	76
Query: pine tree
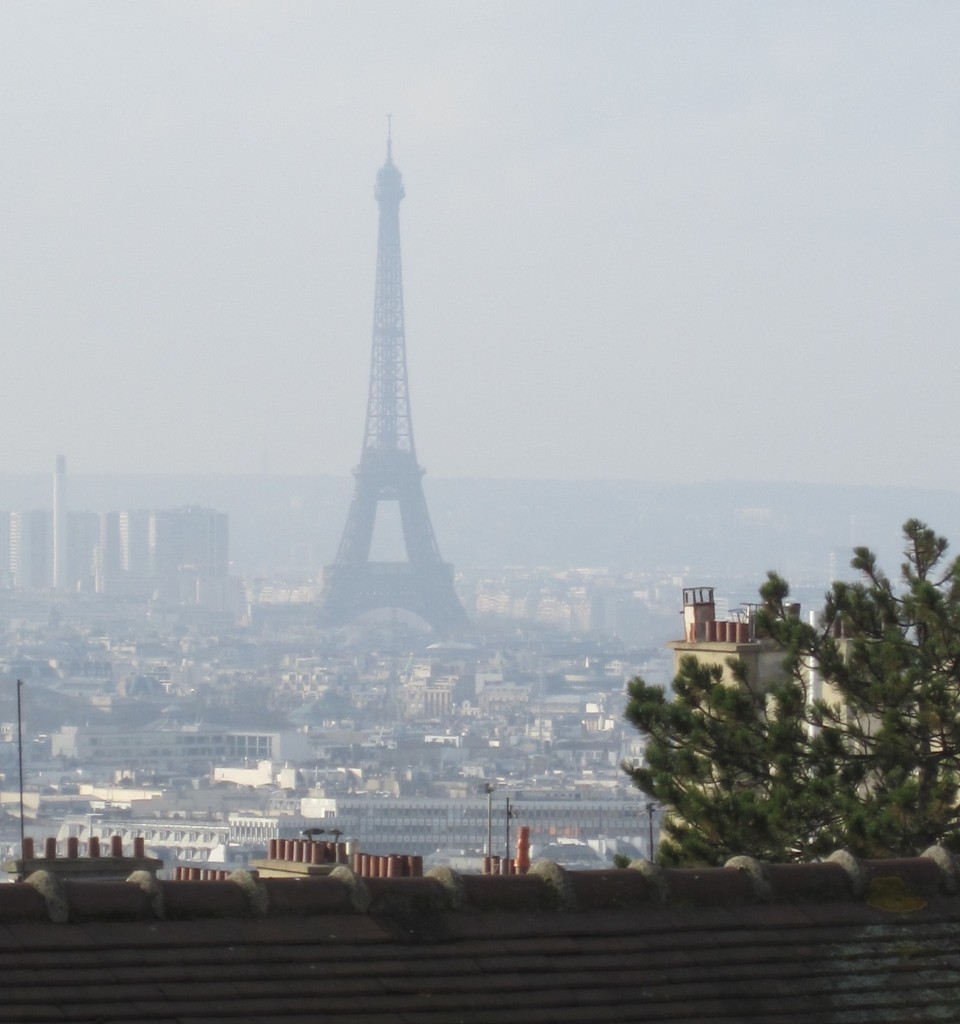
732	768
872	765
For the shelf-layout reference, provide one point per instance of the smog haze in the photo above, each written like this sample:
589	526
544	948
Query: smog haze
644	241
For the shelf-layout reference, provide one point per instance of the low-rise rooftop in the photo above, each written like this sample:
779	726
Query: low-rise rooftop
837	942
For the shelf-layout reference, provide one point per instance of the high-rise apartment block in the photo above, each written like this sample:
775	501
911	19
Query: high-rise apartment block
81	537
133	552
188	539
30	549
140	549
60	524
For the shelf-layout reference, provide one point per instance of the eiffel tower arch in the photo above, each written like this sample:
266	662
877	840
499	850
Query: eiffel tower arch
388	469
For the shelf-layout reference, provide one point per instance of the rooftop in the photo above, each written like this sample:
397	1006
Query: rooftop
837	942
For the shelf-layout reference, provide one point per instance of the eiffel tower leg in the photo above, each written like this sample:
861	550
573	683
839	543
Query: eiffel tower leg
361	519
418	534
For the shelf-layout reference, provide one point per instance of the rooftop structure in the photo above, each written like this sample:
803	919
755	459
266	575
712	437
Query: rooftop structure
839	942
714	640
112	863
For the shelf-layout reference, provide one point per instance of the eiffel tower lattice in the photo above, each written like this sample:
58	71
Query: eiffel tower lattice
388	469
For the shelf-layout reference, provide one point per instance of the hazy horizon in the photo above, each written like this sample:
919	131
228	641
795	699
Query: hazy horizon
642	241
804	531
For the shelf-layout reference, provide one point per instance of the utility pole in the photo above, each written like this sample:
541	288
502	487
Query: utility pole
20	758
488	788
510	814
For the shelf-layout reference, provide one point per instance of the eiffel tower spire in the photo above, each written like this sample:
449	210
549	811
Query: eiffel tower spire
388	469
388	402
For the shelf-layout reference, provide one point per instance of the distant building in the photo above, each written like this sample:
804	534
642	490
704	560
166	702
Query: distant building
109	563
134	527
175	840
30	549
82	541
123	553
130	553
422	825
174	749
5	571
189	538
60	541
181	554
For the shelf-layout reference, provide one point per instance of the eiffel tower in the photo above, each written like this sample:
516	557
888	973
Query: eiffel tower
388	469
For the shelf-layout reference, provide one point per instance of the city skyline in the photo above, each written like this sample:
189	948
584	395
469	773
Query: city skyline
646	242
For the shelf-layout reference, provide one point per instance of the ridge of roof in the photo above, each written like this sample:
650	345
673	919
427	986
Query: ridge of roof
843	941
899	885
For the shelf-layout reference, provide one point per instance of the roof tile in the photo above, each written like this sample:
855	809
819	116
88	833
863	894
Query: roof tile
746	942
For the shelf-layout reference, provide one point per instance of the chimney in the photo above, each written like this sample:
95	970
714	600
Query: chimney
92	867
699	609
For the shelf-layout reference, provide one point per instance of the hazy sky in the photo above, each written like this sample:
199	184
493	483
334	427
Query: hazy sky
649	240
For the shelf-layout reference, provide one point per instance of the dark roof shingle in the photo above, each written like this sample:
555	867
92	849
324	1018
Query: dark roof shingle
840	942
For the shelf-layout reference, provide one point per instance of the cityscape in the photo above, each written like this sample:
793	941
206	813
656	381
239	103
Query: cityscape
167	698
203	713
576	637
202	717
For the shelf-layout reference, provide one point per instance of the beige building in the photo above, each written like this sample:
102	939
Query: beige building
715	642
